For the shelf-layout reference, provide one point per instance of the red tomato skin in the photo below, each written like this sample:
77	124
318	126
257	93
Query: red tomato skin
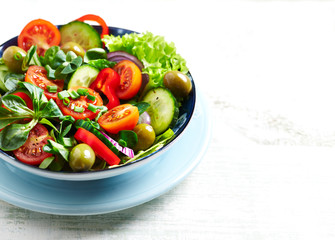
37	75
41	33
82	101
31	152
130	79
83	135
106	82
122	117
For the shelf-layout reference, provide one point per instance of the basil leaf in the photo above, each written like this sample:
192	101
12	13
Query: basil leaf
101	63
12	79
8	117
16	104
70	55
128	137
56	148
3	73
142	107
31	58
34	92
59	58
15	135
46	162
50	55
47	122
50	110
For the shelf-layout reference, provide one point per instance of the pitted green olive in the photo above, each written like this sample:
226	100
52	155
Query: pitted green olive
13	57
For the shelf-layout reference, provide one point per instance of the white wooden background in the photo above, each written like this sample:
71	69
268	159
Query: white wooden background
267	70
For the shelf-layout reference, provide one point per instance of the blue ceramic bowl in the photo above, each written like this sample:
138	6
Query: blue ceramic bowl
185	115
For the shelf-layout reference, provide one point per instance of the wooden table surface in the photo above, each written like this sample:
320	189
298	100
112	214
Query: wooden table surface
266	69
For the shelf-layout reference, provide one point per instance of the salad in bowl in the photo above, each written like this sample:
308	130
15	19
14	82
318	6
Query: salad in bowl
81	99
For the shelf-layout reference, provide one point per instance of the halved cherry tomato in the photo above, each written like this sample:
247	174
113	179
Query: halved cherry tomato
31	152
106	82
37	75
130	79
69	108
122	117
100	149
41	33
99	20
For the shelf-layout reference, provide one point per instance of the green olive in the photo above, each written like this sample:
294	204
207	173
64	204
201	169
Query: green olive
81	158
146	136
74	47
13	57
179	84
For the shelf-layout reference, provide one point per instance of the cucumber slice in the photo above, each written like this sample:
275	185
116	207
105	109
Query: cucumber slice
82	33
83	76
163	109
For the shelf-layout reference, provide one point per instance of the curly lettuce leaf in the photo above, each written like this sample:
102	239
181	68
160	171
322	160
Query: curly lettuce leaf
157	55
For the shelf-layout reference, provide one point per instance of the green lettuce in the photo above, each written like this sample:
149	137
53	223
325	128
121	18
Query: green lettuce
157	55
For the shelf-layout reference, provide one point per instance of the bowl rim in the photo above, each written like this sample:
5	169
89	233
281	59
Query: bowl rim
105	173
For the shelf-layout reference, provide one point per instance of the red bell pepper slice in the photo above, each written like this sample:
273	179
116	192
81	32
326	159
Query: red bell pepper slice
106	82
83	135
99	20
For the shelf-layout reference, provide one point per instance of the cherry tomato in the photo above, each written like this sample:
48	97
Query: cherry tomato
41	33
69	108
100	149
99	20
106	82
31	152
37	75
122	117
130	79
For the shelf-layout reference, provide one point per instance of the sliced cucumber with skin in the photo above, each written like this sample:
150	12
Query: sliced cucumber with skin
82	33
83	76
163	109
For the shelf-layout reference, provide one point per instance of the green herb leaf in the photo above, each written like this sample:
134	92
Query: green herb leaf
16	104
50	110
15	135
142	106
46	162
31	58
56	148
101	63
128	137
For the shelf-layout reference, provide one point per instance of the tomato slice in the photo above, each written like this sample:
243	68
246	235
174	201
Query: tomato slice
41	33
122	117
106	82
81	102
37	75
31	152
130	79
100	149
99	20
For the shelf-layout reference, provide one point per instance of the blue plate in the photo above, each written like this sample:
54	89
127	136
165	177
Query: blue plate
37	193
185	115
